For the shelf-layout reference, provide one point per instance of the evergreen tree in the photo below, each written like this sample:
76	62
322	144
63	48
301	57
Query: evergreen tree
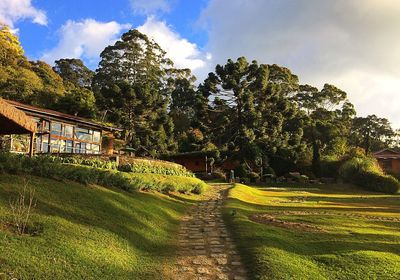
372	133
132	90
79	98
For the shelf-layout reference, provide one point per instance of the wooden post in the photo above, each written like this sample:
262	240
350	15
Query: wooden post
31	144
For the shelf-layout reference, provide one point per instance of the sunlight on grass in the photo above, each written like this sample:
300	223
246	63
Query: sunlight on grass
330	232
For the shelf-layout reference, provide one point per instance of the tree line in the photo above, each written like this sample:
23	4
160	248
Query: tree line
258	113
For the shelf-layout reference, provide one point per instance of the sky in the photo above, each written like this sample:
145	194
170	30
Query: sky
352	44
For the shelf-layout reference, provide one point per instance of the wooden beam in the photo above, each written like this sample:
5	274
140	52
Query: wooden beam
31	144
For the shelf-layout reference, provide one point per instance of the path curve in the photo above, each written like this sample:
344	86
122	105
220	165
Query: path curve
206	250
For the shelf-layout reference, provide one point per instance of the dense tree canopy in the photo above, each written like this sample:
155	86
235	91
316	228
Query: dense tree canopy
256	113
372	133
132	91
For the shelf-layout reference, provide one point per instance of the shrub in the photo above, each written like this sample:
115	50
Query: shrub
253	177
366	173
155	167
219	174
357	165
241	171
377	182
330	168
49	167
22	208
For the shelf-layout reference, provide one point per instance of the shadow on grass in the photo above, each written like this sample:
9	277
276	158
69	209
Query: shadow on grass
145	221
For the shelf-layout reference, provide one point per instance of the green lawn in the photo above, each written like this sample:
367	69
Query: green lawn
89	232
329	232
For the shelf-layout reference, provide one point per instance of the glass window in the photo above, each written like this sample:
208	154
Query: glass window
96	136
56	128
83	148
20	143
77	148
95	148
46	125
62	145
68	131
68	147
42	143
83	134
54	145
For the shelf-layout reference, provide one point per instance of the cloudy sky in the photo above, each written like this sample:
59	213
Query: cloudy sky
353	44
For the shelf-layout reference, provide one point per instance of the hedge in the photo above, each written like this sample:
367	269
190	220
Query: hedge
366	173
136	165
49	168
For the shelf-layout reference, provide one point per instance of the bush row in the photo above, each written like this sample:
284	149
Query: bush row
48	168
156	168
366	173
135	165
93	162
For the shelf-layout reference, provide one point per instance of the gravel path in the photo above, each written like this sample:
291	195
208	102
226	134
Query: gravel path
206	250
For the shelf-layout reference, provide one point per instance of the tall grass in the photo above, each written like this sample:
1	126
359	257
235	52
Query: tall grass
366	173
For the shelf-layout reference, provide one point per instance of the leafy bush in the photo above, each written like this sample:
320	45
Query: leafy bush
52	168
253	177
93	162
330	168
377	182
366	173
148	166
241	171
357	165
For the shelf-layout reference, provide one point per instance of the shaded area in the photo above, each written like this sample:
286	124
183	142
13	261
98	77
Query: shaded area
91	232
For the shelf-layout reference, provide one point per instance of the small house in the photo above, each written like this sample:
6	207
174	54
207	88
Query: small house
29	129
389	160
204	161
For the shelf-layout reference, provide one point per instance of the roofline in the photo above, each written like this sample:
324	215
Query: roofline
386	149
58	115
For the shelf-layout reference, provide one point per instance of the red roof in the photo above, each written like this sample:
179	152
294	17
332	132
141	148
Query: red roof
387	154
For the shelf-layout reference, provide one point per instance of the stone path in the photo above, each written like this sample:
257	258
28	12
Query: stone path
206	250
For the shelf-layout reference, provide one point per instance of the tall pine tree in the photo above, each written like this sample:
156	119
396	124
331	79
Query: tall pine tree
132	90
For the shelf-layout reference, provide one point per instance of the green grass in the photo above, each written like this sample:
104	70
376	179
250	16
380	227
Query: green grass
90	232
358	236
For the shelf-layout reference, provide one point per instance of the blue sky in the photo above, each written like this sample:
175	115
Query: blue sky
36	39
349	43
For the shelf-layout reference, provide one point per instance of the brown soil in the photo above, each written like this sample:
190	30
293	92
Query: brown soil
349	214
272	220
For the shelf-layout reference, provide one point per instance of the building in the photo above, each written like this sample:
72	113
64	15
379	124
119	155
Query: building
389	160
29	129
204	161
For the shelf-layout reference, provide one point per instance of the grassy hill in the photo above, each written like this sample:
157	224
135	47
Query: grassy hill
332	232
89	232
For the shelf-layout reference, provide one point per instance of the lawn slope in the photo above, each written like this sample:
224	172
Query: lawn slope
89	232
327	233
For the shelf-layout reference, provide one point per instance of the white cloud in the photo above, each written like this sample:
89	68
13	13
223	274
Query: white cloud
351	43
84	39
149	7
12	11
183	53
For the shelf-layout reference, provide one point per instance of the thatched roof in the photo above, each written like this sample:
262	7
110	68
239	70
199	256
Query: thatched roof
14	121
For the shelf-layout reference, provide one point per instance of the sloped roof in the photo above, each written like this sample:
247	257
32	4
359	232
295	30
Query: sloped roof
14	121
42	112
387	154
